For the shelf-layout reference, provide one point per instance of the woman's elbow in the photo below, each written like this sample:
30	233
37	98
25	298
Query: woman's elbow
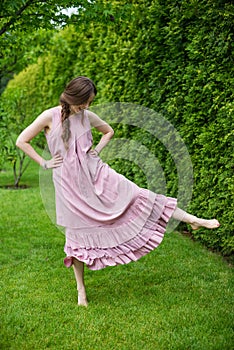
111	132
19	143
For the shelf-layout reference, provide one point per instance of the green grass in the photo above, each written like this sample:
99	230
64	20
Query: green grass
178	297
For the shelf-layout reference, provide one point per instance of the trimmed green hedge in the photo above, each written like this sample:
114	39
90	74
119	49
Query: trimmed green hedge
173	57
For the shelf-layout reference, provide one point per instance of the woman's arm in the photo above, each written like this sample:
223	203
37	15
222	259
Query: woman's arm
103	127
42	122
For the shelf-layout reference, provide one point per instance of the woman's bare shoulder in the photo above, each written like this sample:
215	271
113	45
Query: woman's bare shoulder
48	113
44	120
46	116
94	119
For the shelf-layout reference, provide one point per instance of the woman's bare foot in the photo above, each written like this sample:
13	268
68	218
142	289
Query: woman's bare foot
82	299
205	223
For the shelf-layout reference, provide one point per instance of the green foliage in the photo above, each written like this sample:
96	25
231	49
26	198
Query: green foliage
20	49
15	116
174	57
26	27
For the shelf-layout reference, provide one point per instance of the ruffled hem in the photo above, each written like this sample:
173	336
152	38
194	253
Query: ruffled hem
148	238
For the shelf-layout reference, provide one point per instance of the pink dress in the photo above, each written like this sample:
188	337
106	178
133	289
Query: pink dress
108	219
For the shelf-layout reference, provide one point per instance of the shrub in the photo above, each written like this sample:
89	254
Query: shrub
174	57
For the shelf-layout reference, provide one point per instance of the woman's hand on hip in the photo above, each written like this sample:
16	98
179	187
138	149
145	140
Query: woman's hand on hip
93	152
54	162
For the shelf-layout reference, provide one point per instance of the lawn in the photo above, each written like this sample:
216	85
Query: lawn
178	297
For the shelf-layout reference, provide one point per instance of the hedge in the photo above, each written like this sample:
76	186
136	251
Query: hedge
175	58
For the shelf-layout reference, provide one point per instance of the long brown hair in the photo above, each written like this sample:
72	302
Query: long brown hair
77	92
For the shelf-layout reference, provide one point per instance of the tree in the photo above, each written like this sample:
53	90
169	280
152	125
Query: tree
13	118
27	31
21	20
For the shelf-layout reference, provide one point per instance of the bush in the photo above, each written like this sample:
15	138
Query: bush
174	57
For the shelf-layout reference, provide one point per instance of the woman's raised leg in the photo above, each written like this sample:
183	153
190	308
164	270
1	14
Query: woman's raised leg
193	221
78	267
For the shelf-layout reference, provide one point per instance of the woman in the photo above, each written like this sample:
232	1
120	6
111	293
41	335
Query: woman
108	219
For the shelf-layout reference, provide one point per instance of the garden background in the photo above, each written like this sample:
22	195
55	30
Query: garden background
175	57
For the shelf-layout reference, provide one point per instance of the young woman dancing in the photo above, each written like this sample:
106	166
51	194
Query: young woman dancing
108	219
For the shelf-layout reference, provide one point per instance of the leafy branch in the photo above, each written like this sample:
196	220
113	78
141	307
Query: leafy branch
16	16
